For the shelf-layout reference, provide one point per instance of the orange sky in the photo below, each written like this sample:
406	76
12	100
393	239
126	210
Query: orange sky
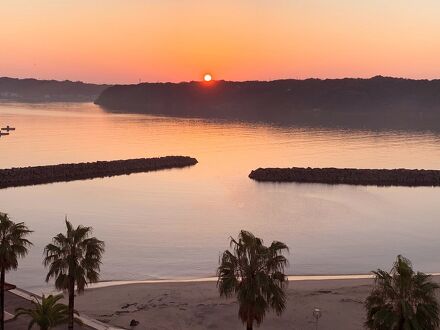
122	41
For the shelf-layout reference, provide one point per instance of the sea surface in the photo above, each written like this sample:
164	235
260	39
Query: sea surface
174	224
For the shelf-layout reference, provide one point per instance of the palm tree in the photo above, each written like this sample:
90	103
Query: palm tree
254	273
46	313
73	259
13	245
402	299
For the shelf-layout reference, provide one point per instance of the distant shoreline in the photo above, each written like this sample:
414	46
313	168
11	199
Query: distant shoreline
111	283
288	99
31	90
292	278
360	103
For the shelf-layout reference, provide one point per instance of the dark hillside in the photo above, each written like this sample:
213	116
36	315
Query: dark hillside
279	100
33	90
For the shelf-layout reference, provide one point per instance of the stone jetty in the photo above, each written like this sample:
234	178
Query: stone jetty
25	176
351	176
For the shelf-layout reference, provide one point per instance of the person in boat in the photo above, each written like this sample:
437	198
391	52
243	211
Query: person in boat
8	128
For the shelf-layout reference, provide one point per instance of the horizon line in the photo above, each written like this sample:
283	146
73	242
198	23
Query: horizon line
217	80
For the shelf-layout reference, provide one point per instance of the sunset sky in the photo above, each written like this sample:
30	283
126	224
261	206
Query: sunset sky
122	41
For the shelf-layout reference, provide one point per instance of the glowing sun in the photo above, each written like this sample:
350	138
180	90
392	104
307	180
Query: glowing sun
207	77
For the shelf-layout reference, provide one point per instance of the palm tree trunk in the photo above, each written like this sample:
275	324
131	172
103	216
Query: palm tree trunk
71	302
249	325
2	299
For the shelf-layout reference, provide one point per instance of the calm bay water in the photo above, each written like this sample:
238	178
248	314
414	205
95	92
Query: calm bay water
174	223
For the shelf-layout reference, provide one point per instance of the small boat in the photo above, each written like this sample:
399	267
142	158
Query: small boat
8	128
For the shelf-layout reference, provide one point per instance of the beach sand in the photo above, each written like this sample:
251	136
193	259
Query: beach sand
197	305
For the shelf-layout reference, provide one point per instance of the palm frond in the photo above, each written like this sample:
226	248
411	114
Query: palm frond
46	312
255	274
402	299
13	242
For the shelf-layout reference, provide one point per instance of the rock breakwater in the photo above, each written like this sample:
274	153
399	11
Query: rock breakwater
352	176
25	176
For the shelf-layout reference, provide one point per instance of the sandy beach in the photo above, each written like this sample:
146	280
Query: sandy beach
198	306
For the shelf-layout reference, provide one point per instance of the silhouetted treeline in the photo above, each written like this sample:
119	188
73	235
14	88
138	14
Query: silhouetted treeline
290	100
33	90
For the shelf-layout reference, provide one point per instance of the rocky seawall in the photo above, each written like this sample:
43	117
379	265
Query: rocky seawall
25	176
352	176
